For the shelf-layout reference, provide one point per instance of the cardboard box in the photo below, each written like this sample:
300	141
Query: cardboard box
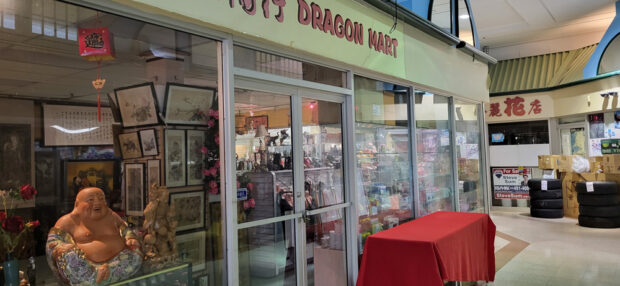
565	163
611	163
548	162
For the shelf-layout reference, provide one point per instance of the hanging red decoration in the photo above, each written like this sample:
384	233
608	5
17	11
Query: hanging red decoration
96	45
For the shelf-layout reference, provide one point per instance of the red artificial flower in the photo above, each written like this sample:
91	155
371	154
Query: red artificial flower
213	185
213	171
217	163
238	185
213	191
14	224
217	139
33	224
205	172
27	192
204	150
252	202
250	187
246	205
211	123
2	216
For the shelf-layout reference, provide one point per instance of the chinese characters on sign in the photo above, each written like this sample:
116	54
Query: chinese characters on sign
515	107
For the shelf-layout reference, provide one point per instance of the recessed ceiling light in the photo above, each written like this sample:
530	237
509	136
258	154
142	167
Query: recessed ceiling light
464	16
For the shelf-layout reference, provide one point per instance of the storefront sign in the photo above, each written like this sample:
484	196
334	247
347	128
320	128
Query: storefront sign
339	29
511	183
518	107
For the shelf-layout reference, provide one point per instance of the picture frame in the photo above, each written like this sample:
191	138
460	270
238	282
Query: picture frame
76	125
181	101
130	145
174	153
116	113
137	105
16	156
79	174
254	121
202	281
153	173
47	175
148	142
192	248
195	140
189	209
134	189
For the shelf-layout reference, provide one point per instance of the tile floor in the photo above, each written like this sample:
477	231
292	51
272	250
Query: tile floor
560	252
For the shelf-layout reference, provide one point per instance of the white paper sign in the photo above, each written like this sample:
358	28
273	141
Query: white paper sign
589	187
543	185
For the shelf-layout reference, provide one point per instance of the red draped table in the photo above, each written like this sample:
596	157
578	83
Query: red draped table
441	246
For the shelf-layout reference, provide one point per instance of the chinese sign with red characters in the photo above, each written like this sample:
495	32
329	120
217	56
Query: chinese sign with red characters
518	107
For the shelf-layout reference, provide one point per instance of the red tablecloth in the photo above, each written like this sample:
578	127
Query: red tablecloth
441	246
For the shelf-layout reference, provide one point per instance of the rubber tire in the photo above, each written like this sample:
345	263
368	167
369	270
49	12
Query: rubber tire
552	184
598	200
547	204
600	188
600	211
547	213
546	195
599	222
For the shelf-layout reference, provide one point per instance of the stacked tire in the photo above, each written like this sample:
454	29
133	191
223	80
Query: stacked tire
546	198
599	204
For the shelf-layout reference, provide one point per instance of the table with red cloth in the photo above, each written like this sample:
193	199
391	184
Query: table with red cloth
442	246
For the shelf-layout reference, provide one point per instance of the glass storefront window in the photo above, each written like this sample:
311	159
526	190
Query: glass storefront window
434	153
158	126
469	154
383	159
441	15
465	31
274	64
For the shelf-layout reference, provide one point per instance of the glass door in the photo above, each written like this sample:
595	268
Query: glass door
290	186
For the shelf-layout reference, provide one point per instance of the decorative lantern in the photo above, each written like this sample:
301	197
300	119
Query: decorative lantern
96	44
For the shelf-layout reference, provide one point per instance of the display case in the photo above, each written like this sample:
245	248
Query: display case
384	168
434	168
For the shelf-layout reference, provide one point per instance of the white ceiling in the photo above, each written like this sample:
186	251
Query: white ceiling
519	28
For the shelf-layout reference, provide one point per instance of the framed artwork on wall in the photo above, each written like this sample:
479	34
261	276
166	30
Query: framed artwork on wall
191	248
134	189
189	209
148	141
153	171
130	145
116	113
137	105
79	174
15	155
187	104
195	157
174	143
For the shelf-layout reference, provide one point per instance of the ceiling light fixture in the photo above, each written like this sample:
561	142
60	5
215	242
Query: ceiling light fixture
464	16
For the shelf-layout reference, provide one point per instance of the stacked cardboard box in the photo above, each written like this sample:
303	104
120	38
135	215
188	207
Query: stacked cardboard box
611	163
569	189
548	162
596	164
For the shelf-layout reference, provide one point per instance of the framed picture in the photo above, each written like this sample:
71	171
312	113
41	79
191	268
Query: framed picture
189	209
148	141
81	174
116	114
195	158
174	142
153	171
15	155
187	104
47	174
73	125
255	121
137	105
202	281
130	145
192	248
134	189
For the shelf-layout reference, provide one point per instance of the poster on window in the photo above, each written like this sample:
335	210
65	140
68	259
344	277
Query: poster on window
511	183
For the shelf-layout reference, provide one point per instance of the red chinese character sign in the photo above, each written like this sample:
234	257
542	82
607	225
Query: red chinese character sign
96	44
520	107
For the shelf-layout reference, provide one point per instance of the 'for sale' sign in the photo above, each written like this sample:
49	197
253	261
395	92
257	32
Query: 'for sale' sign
511	183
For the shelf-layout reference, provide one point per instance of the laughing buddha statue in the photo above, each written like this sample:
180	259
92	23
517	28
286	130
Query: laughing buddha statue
92	245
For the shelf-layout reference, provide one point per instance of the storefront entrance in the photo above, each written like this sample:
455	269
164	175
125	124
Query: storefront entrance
290	196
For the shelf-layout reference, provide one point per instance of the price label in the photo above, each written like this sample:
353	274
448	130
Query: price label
589	187
543	185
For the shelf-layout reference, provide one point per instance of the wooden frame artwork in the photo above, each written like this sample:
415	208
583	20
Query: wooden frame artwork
137	105
134	189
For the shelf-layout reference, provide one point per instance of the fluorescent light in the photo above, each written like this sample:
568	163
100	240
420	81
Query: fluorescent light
74	131
464	16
